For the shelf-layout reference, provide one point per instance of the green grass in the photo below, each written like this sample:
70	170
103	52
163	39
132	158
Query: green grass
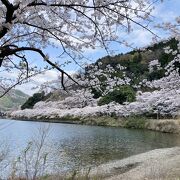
136	122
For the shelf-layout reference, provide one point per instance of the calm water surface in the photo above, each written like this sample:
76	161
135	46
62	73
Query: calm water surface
87	145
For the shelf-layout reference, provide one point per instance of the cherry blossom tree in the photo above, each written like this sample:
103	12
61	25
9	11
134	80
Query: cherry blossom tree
72	26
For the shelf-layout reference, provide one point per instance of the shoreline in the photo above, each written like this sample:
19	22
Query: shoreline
161	125
155	164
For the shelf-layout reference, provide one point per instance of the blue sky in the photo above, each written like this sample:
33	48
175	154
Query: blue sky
163	12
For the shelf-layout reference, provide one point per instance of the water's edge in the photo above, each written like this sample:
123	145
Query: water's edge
148	165
161	125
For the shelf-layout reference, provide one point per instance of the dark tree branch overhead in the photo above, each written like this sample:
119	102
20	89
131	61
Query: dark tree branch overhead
69	5
8	51
10	9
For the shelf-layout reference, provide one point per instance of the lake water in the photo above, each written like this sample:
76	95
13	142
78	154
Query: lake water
84	146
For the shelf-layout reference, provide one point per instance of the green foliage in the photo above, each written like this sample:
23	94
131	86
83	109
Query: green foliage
137	61
33	100
96	93
165	58
156	75
135	122
119	95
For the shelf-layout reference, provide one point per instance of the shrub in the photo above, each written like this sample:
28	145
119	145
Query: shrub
156	75
33	100
96	93
119	95
135	122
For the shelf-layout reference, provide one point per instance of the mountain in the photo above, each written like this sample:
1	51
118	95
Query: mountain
12	100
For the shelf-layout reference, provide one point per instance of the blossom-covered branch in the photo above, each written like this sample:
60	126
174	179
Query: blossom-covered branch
70	26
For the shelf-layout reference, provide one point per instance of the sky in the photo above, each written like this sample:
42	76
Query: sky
163	12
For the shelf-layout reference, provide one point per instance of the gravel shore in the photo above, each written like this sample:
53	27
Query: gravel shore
160	164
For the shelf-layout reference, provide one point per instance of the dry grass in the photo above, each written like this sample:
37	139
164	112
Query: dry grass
164	125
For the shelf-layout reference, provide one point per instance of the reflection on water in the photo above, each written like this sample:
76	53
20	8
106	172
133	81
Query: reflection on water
82	146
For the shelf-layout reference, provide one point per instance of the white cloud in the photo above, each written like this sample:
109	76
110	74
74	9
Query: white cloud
35	81
28	88
164	13
48	76
140	37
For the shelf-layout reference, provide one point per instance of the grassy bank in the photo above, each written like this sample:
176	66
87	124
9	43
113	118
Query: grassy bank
136	122
162	125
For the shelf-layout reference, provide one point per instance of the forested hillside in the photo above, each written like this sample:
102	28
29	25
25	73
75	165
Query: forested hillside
137	61
12	100
119	77
124	74
144	82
